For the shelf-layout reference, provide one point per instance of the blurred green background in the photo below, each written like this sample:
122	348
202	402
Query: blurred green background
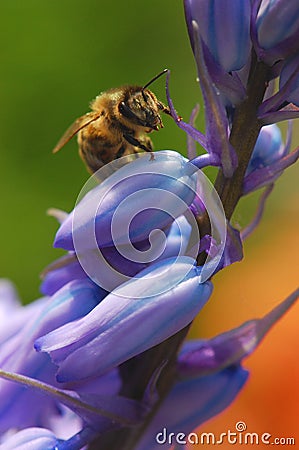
56	56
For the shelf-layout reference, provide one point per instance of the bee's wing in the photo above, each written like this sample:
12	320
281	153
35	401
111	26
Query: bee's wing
80	123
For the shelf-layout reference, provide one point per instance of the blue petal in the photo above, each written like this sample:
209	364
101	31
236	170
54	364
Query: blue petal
224	27
217	142
55	278
266	175
206	356
143	195
278	29
20	407
31	439
134	317
291	69
191	403
268	148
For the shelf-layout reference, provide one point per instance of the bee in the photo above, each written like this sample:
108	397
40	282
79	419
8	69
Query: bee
117	125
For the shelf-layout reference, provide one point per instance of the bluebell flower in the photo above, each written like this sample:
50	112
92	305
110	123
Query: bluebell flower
266	175
290	70
102	355
269	148
29	400
189	404
210	375
276	29
224	27
216	141
219	33
226	63
19	407
283	104
10	304
225	101
164	187
60	273
138	315
119	264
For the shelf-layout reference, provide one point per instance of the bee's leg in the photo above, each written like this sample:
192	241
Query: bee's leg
133	141
120	152
148	142
164	108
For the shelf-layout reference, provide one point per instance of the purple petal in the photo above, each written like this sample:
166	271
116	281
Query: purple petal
196	135
113	266
10	305
146	194
74	300
216	119
224	27
287	90
31	439
20	407
268	148
191	147
101	412
134	317
21	316
248	230
229	85
267	175
233	251
206	160
177	240
208	245
61	272
203	357
290	71
278	29
191	403
108	384
289	112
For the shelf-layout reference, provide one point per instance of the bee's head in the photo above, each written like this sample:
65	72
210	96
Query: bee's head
141	107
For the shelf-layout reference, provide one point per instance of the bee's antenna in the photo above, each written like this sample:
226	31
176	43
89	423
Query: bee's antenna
155	78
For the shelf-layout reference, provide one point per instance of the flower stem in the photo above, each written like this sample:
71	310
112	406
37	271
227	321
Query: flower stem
245	130
137	372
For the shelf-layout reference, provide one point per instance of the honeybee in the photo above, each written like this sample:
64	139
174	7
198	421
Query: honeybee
117	125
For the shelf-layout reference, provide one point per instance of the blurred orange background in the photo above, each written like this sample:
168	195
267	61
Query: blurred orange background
269	403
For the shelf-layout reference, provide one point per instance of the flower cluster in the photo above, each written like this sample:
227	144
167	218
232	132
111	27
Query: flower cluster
100	360
240	48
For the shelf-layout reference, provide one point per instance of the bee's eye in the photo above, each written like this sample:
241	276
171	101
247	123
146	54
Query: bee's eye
126	111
